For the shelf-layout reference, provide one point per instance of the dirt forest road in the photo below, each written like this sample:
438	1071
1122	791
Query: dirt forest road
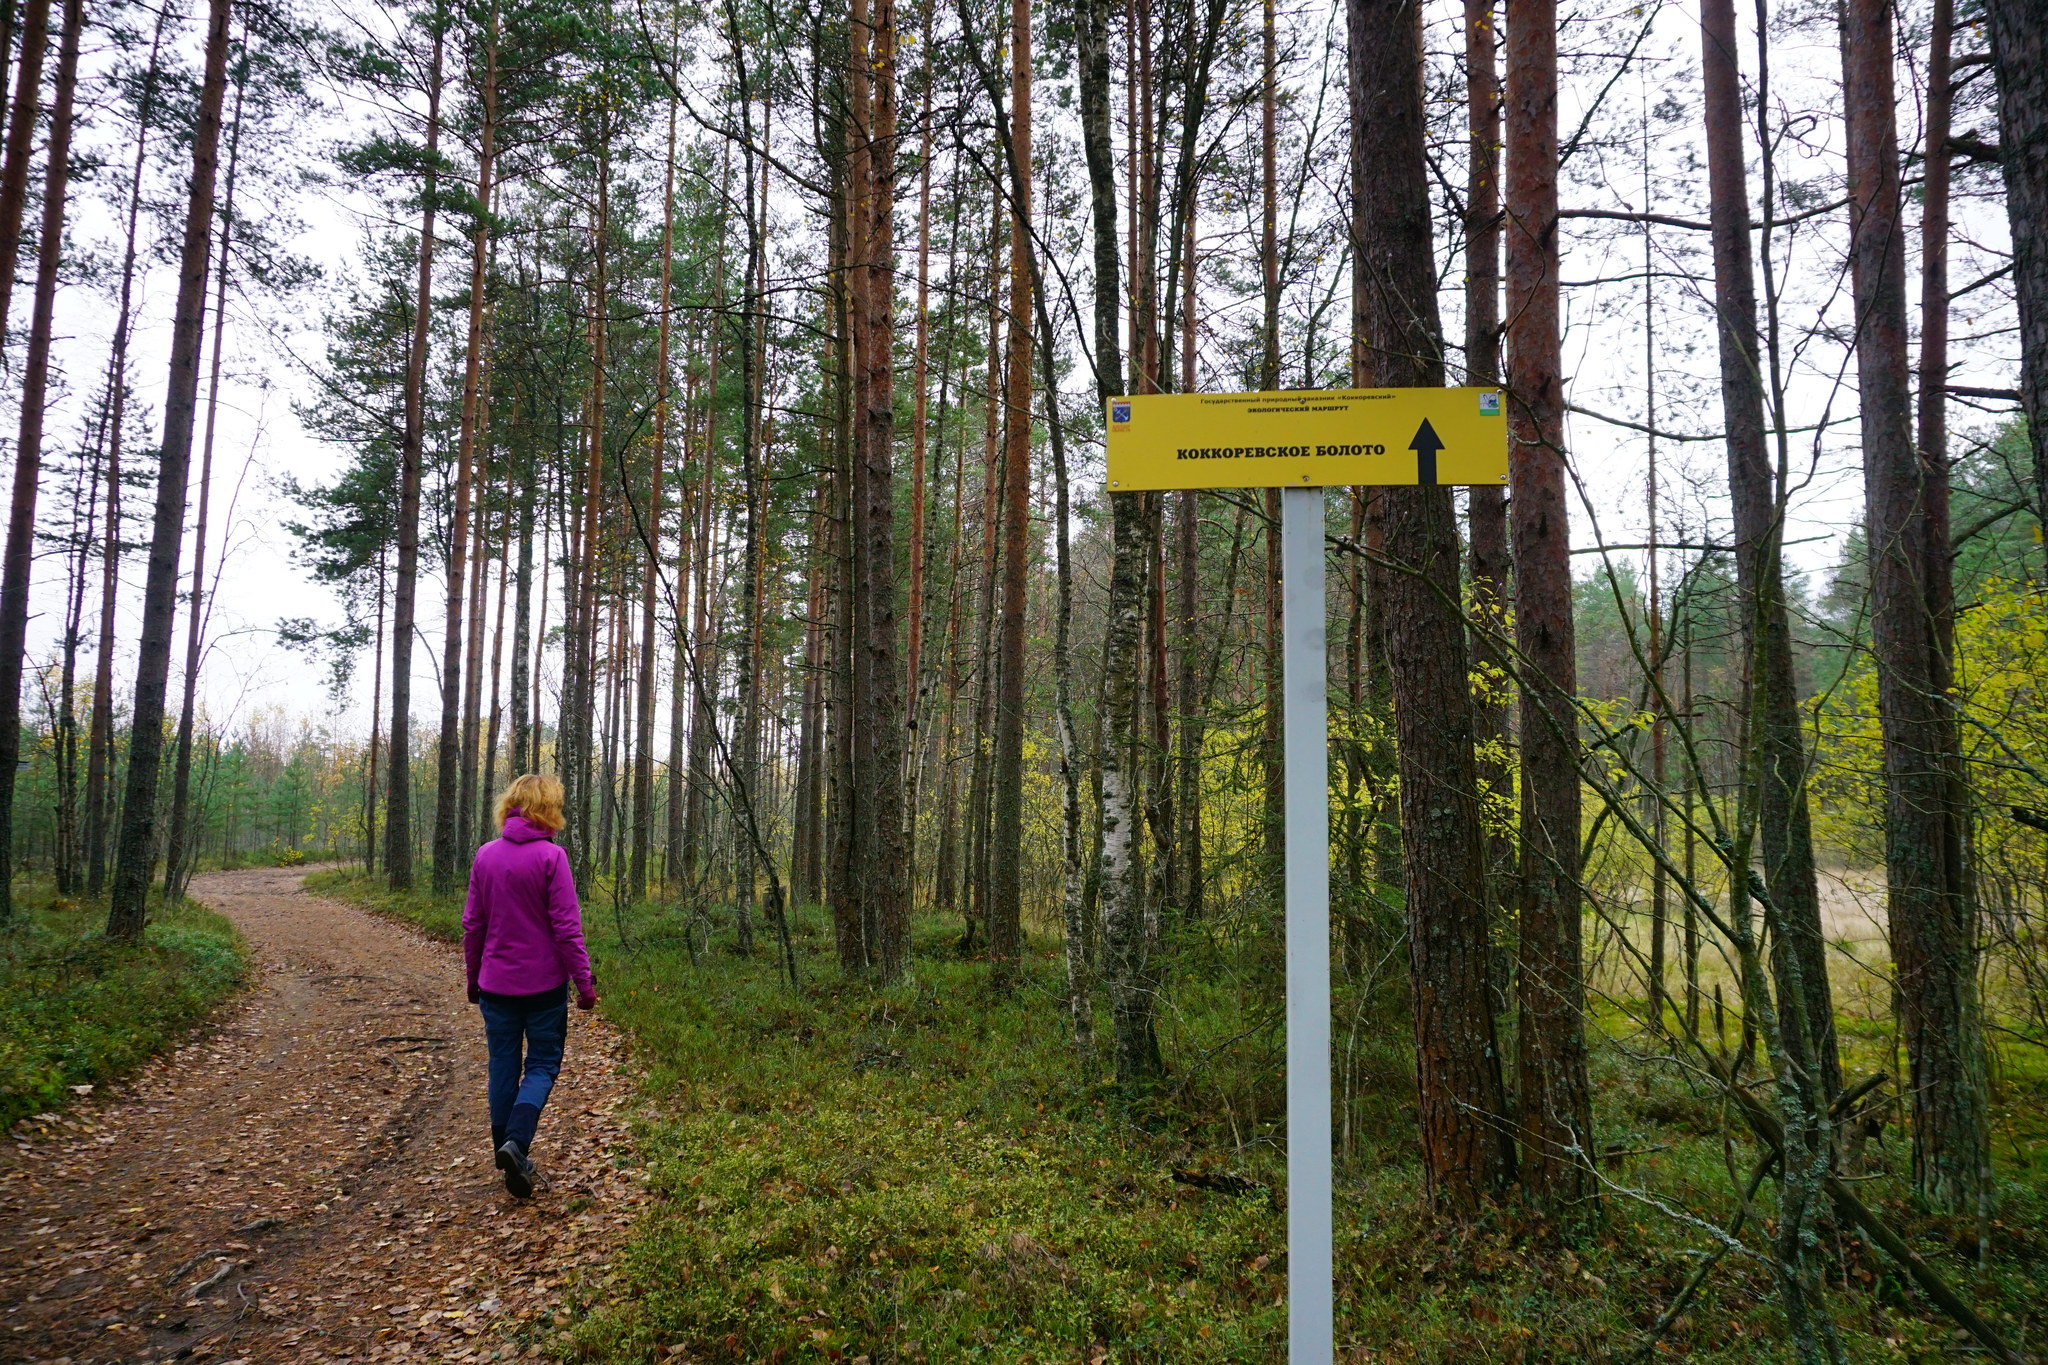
312	1180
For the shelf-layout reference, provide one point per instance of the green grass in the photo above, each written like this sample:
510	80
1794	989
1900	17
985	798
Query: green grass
77	1010
924	1174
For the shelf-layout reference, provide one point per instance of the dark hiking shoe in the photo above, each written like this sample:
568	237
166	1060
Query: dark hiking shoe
519	1172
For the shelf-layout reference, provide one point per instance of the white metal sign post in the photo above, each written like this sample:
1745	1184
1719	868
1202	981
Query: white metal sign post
1311	1284
1302	442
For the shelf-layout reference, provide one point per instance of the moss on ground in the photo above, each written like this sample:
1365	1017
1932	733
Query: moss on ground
924	1174
77	1010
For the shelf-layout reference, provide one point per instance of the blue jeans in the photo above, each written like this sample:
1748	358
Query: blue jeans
518	1087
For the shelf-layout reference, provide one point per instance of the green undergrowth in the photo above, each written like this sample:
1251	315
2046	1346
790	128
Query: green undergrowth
923	1174
434	915
77	1010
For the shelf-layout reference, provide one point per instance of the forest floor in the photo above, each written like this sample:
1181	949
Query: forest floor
840	1173
311	1179
834	1173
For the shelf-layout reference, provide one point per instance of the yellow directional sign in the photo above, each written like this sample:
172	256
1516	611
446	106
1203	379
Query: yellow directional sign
1307	438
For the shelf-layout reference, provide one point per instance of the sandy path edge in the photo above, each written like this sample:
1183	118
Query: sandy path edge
311	1180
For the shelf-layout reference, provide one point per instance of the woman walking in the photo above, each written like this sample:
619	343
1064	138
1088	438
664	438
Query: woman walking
522	936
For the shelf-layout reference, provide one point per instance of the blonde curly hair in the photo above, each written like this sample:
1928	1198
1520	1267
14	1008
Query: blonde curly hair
537	796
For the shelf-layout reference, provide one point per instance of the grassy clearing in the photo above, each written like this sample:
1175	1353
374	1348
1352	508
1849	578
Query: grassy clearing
921	1174
76	1010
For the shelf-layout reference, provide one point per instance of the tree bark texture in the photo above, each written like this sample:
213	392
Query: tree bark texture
1006	904
177	856
1798	946
576	731
99	761
650	524
877	864
1555	1099
2019	52
748	785
451	861
398	837
1467	1152
1269	378
1932	923
20	147
1128	971
1487	507
523	741
135	853
28	450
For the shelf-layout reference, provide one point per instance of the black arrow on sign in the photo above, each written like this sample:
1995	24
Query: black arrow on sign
1425	445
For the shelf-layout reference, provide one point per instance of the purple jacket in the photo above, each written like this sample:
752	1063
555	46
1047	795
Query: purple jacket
522	932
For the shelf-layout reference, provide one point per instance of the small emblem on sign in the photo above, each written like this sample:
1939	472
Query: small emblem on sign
1489	404
1119	412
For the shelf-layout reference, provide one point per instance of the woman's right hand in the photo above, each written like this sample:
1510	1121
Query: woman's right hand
586	1002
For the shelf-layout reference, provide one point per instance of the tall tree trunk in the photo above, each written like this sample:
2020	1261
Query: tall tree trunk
135	853
84	520
690	551
1005	922
985	669
706	663
704	658
536	729
575	731
1357	900
919	419
1197	43
809	833
579	726
177	860
946	862
1159	776
473	650
1486	508
376	712
1073	880
1799	947
1128	916
1128	969
450	860
524	759
2019	52
753	411
398	833
836	872
618	663
99	745
1269	378
1906	498
8	19
850	912
28	451
1467	1154
1556	1108
1189	700
643	762
488	784
573	696
879	861
20	149
806	864
1660	884
1144	177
